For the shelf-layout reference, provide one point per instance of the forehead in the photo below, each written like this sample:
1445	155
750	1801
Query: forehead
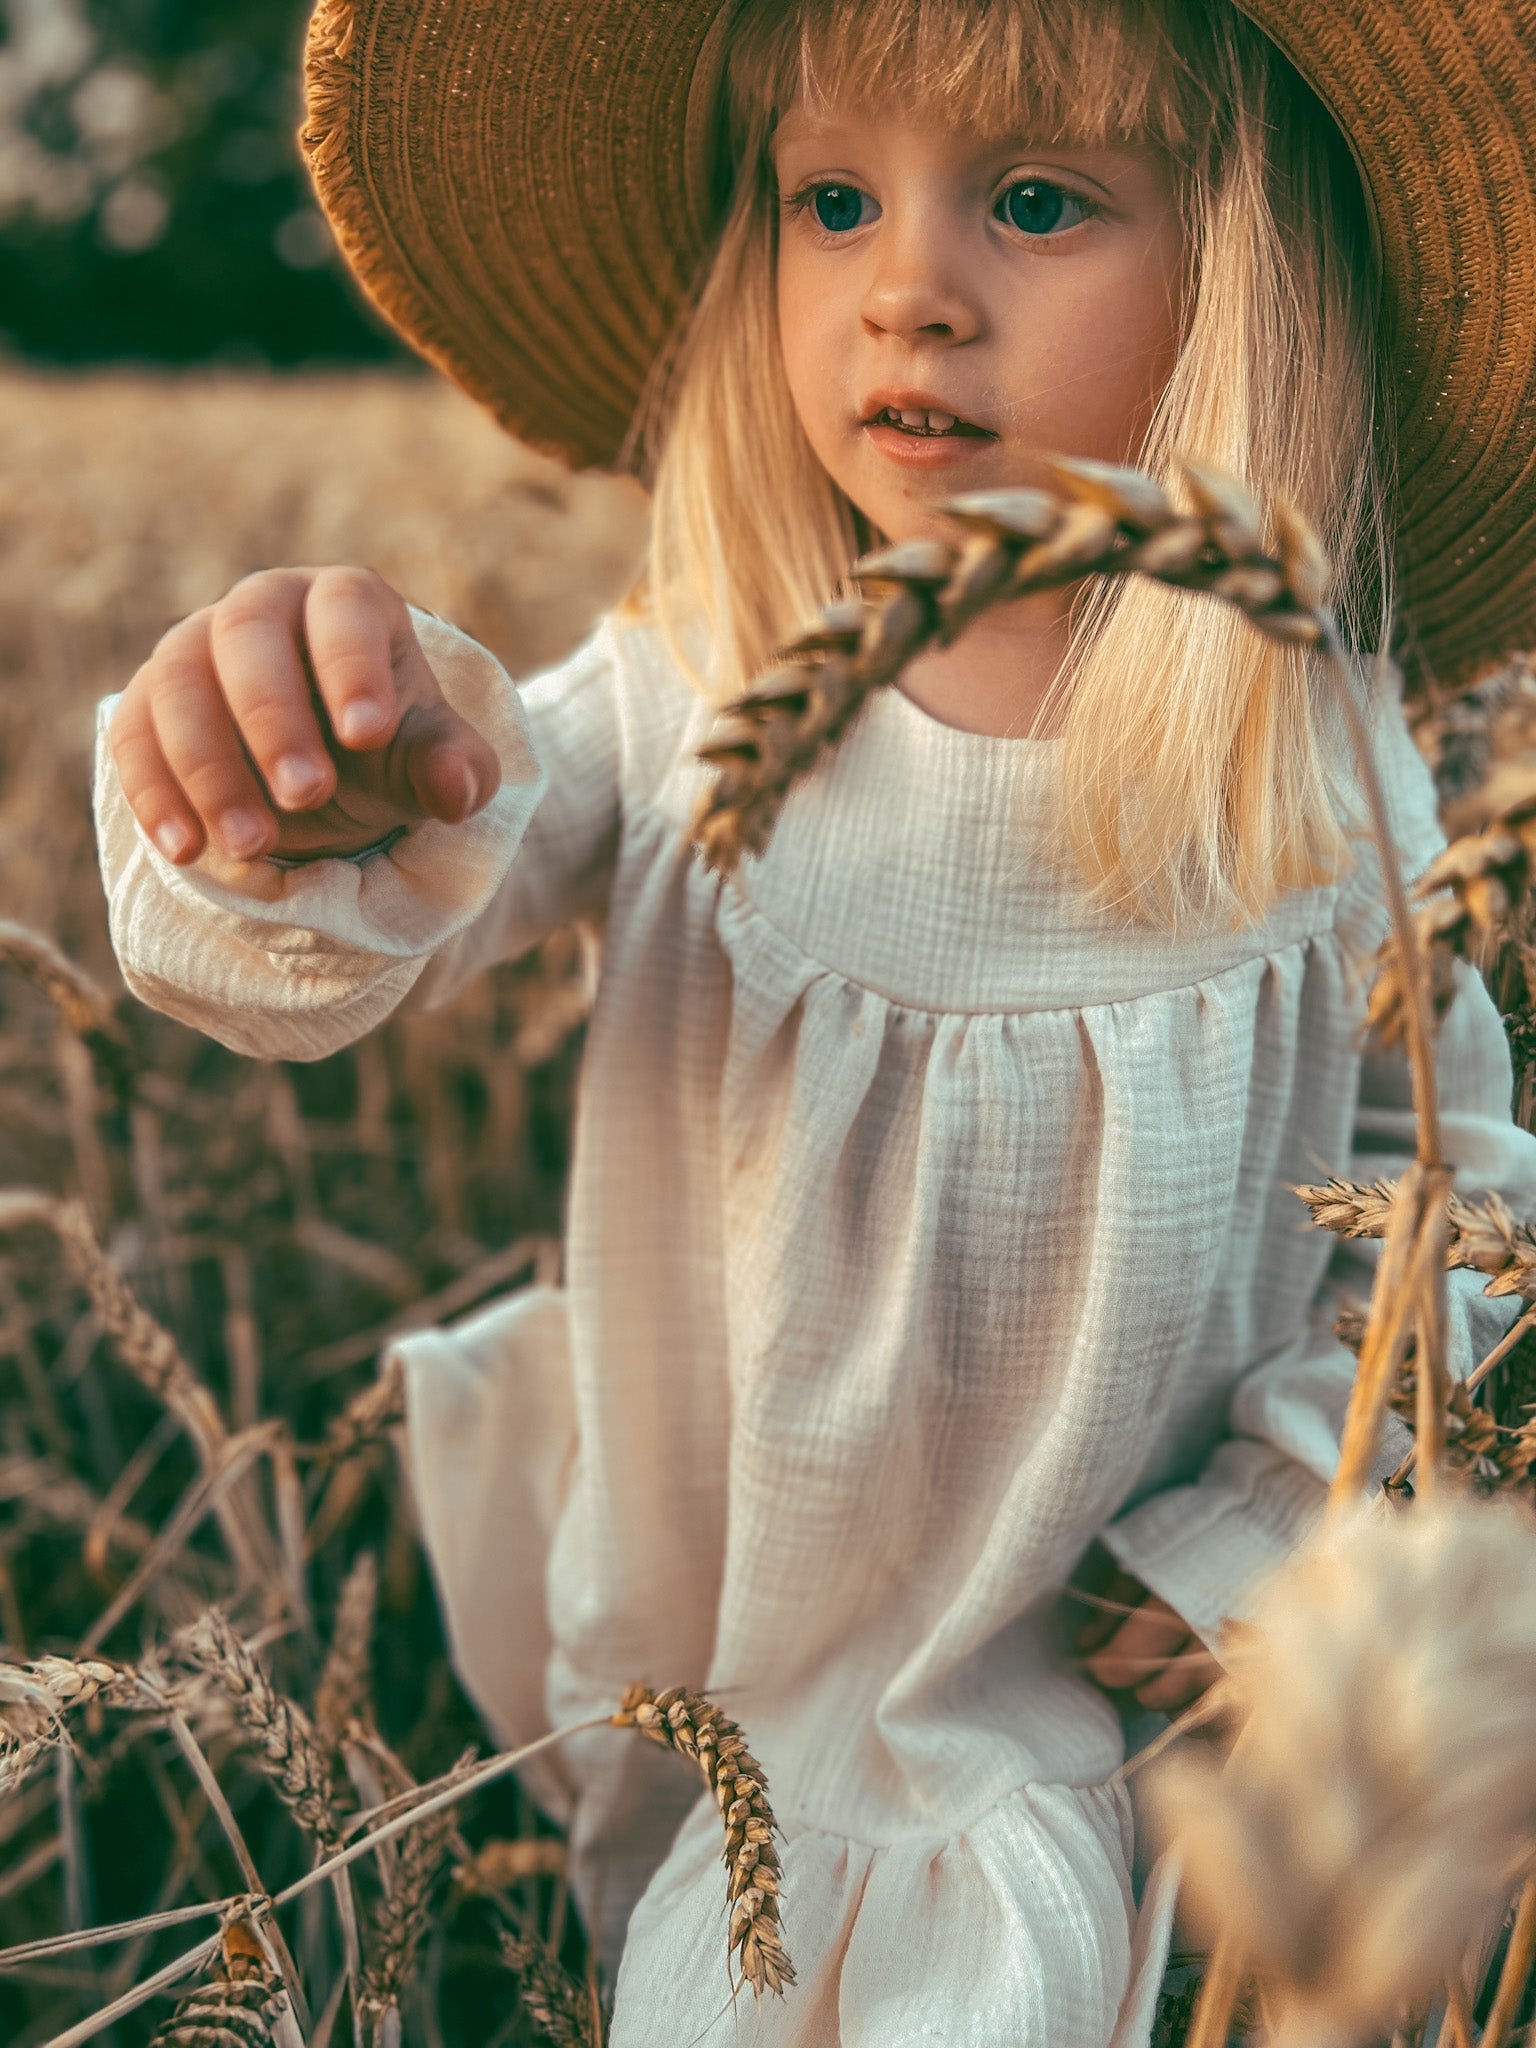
860	135
1088	72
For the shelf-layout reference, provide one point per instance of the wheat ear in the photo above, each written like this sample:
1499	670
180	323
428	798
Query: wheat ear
1486	1236
402	1914
275	1729
698	1730
144	1346
1098	521
1378	1801
560	2008
232	2009
1477	893
345	1687
34	1699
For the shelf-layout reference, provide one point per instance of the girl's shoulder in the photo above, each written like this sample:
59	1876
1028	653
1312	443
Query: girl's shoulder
1407	783
1413	814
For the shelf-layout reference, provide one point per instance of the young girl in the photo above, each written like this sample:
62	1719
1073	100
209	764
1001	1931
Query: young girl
930	1220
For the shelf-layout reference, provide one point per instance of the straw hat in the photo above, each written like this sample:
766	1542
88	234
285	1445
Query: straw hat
523	188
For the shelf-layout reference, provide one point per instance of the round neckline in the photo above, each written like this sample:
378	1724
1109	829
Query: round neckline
923	722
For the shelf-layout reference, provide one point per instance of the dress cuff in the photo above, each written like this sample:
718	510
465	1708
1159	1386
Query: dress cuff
418	889
1206	1548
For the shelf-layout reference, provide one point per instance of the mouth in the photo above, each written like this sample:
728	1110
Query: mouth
928	423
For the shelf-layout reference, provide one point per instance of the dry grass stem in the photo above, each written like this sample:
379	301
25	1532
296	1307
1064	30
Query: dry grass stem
1098	521
84	1008
342	1697
560	2008
1378	1803
1485	1235
1516	1970
698	1730
276	1730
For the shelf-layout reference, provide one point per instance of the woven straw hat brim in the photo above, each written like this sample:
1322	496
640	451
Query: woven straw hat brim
523	188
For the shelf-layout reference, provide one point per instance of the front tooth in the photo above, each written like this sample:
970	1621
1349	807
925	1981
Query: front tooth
914	419
940	422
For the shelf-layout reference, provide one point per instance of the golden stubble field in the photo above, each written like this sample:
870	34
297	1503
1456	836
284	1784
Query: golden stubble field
277	1222
220	1656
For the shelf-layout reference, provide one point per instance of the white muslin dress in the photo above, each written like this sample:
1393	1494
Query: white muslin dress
924	1226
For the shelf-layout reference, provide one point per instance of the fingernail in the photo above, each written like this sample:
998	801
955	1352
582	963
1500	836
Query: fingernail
173	839
359	721
244	833
295	779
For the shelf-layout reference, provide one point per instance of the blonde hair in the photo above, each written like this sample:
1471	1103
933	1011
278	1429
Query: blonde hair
1199	765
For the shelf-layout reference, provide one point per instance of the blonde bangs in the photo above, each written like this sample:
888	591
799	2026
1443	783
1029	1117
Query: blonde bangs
1065	71
1200	765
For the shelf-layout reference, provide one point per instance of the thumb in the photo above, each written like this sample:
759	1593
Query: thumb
442	768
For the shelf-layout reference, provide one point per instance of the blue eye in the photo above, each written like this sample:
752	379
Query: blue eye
839	207
1036	207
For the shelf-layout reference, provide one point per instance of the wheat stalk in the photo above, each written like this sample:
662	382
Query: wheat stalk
343	1693
559	2008
691	1725
1099	521
402	1914
368	1416
1486	1236
275	1729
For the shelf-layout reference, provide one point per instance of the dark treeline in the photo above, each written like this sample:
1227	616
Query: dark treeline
152	203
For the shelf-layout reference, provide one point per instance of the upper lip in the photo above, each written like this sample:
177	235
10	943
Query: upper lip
903	400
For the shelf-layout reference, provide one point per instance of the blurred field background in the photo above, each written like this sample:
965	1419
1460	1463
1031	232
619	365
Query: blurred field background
189	390
279	1220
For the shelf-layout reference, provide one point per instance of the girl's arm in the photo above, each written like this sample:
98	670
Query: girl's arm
1203	1547
291	962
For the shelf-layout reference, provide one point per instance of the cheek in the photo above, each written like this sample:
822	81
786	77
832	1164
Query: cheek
808	314
1115	348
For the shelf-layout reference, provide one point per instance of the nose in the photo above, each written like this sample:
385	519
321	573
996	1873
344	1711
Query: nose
917	291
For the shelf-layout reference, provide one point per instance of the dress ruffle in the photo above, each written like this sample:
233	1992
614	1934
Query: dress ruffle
1016	1928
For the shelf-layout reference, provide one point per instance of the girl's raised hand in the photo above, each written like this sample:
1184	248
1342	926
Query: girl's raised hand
297	716
1131	1641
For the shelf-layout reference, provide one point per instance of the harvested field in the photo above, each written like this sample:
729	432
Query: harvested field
275	1220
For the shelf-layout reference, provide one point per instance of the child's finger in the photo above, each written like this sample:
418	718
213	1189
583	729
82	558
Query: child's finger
450	769
1103	1607
1190	1673
1139	1647
202	749
154	795
254	634
357	630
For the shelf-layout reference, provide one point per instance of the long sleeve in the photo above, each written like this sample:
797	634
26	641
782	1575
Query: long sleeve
292	963
1205	1546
